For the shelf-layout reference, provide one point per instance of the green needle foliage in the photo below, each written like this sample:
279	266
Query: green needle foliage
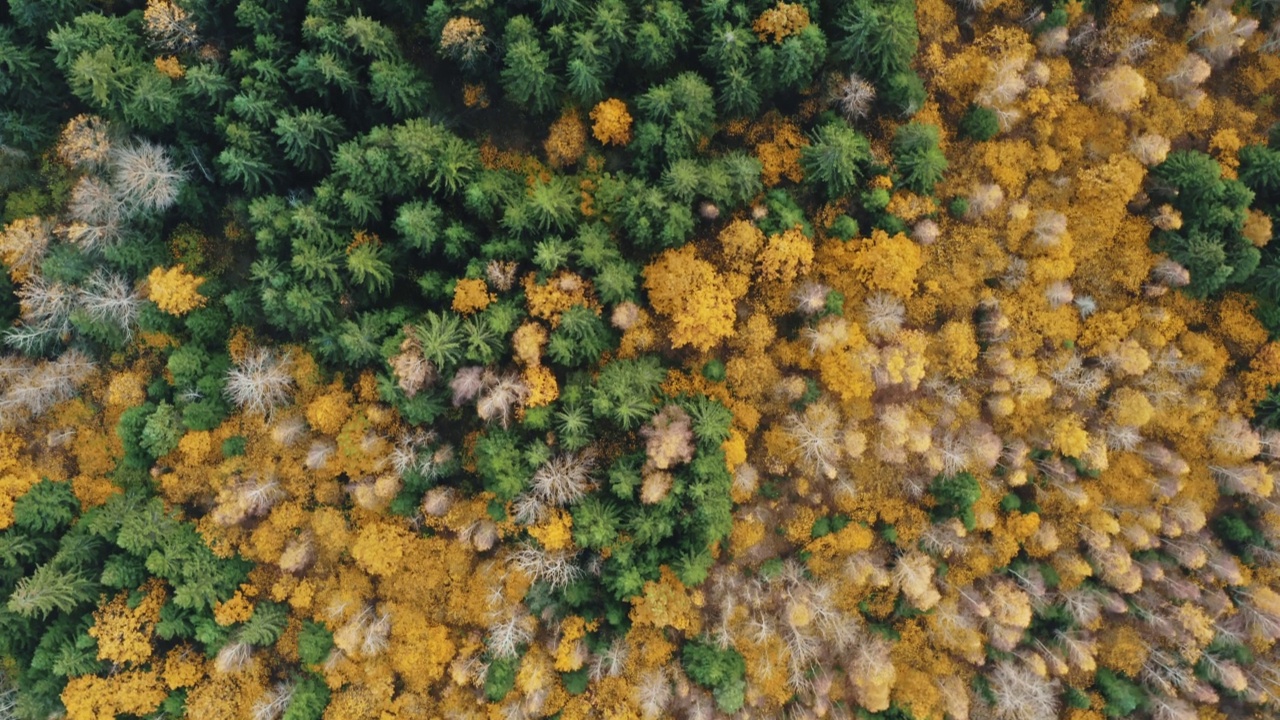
1211	242
721	671
919	161
955	496
836	159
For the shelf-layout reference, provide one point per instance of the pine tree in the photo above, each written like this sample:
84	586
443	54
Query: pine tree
595	523
48	589
1260	171
836	158
398	86
527	77
624	391
878	38
722	671
919	161
308	137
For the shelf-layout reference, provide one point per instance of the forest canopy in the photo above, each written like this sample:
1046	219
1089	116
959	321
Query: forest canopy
899	359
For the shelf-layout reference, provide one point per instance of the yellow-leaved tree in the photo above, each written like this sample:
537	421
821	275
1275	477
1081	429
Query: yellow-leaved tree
689	291
175	290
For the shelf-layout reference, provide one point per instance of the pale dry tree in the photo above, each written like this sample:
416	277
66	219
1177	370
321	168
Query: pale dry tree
510	629
246	500
500	396
481	534
46	314
811	297
913	575
273	702
8	697
31	389
1149	148
563	479
1007	117
1086	305
365	634
1218	33
611	661
1050	226
1120	90
93	235
1233	438
985	198
1272	42
466	384
1015	272
289	430
411	369
109	298
1058	293
883	314
746	479
298	554
1164	707
854	96
926	232
1021	694
438	501
816	433
318	455
1122	437
144	177
828	334
93	202
1188	74
554	567
1038	74
501	274
233	656
653	694
668	438
1005	83
377	634
1053	41
260	382
526	509
625	315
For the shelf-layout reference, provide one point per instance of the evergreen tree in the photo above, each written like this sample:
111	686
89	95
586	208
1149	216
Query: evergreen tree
919	161
527	76
836	158
979	123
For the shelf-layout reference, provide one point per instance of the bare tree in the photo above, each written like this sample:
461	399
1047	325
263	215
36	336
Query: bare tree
854	97
557	568
1020	694
563	479
260	382
145	177
110	298
46	314
96	214
274	702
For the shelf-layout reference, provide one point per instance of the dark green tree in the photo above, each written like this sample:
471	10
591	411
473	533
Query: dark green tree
979	123
721	671
836	158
